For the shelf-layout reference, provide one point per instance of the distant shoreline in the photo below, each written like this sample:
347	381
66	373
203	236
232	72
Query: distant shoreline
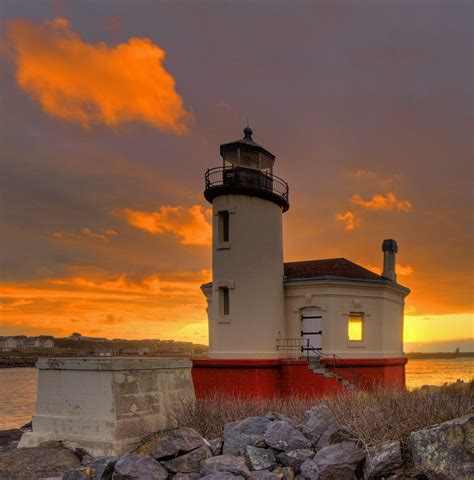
30	361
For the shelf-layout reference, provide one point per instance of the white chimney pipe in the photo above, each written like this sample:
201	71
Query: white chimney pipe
389	249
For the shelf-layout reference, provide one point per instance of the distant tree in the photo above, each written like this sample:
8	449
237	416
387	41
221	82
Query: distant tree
75	334
457	351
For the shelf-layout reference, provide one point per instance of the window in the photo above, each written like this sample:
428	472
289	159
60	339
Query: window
223	235
356	327
224	301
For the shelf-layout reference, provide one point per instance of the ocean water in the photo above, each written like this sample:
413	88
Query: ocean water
18	385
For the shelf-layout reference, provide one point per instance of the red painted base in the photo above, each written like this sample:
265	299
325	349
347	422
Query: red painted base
285	378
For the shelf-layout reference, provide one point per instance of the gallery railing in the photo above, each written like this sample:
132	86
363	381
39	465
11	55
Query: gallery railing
248	178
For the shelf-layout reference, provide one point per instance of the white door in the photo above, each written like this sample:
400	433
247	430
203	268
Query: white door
312	329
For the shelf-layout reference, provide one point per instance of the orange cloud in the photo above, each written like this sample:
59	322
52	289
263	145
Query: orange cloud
351	222
403	270
190	225
381	202
93	84
86	232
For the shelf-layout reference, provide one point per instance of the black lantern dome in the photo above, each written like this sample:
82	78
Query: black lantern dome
247	169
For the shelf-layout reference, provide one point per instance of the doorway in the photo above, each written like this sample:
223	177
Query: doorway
312	329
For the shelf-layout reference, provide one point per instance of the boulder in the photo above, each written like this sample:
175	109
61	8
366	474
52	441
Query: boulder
83	455
295	458
103	467
445	451
283	436
225	463
186	476
176	442
250	431
189	462
309	469
216	446
81	473
264	475
385	460
10	437
339	462
333	434
138	467
284	473
259	458
291	419
315	425
222	476
33	463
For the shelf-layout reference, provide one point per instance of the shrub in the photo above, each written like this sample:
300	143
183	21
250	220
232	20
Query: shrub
209	416
368	418
389	414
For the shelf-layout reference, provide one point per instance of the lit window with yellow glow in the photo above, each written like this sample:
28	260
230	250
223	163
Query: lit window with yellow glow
356	327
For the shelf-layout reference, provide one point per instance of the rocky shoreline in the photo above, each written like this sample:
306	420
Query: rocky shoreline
269	447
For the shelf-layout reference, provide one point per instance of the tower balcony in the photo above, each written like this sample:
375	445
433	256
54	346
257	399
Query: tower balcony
236	180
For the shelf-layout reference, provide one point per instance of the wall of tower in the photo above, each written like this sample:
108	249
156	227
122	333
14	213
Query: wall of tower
250	266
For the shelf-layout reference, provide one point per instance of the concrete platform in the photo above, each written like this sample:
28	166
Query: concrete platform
106	405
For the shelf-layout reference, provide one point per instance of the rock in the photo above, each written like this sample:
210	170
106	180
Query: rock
237	435
81	473
83	455
259	458
315	425
225	463
295	458
103	467
222	476
189	462
138	467
283	436
9	436
386	460
9	439
284	473
338	462
445	451
292	420
216	446
186	476
33	463
309	469
264	475
333	434
176	442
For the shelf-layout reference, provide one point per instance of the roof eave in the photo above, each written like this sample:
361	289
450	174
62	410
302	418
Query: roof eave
380	281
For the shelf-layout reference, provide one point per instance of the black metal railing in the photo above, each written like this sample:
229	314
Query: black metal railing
248	178
292	348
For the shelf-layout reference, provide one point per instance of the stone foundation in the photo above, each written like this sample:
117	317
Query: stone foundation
106	405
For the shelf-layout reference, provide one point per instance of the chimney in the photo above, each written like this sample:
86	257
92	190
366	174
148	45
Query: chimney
389	249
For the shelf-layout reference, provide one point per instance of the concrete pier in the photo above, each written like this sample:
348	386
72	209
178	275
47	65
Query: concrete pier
106	405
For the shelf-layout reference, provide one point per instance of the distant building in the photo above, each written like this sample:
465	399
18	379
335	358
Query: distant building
106	352
42	341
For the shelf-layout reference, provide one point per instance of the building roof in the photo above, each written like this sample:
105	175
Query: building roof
330	267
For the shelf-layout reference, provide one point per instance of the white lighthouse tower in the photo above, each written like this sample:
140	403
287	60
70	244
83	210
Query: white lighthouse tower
246	298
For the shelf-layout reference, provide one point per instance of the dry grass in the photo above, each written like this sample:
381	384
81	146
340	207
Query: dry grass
388	414
371	419
209	416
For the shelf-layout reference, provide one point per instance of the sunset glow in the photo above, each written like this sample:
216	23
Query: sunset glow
112	121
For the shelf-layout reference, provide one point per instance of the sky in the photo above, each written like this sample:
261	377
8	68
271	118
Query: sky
112	111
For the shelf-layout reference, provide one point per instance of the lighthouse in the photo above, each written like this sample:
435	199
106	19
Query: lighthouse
246	301
276	329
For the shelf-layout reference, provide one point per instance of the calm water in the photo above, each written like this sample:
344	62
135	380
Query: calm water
18	385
